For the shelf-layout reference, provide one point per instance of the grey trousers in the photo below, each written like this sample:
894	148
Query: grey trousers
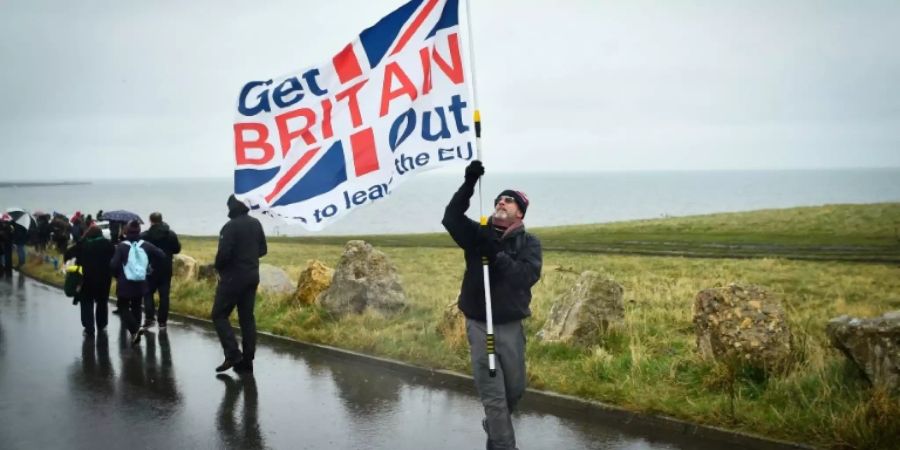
499	394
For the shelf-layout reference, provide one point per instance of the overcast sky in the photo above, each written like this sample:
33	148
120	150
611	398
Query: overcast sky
120	89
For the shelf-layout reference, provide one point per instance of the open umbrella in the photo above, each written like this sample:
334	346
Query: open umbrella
120	215
20	217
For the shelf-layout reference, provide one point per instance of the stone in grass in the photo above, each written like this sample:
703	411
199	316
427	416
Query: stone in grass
184	267
274	279
743	326
586	310
872	344
314	280
363	279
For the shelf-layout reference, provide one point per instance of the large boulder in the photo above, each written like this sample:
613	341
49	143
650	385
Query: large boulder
314	280
588	308
364	278
742	326
184	267
207	272
274	279
872	344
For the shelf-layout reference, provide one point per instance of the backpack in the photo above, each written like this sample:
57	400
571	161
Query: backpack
73	281
135	267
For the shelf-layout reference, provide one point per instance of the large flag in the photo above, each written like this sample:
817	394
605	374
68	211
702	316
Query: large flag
314	145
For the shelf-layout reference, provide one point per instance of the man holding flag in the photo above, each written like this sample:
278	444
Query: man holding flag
318	143
515	258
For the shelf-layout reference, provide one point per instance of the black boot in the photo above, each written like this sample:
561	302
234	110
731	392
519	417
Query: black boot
228	363
244	367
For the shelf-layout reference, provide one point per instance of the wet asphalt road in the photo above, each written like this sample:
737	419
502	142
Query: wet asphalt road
61	390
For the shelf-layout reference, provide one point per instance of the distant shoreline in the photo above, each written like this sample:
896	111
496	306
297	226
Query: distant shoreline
7	184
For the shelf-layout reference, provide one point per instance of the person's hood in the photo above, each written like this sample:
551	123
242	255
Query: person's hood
132	231
158	227
236	208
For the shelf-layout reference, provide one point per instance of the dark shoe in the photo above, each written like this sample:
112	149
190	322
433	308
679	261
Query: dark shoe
148	323
227	364
87	333
115	311
136	337
244	366
161	326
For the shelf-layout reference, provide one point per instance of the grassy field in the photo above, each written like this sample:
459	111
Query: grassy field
826	233
649	364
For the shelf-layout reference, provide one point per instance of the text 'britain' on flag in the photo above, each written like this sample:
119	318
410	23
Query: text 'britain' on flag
311	146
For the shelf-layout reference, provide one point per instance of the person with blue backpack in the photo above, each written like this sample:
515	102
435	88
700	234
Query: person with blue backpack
131	264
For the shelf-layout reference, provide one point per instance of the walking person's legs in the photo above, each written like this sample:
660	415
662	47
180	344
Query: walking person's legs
149	307
129	318
247	320
102	310
223	305
510	347
165	286
86	303
136	305
491	390
20	250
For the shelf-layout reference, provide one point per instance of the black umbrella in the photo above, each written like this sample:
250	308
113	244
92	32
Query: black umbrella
120	215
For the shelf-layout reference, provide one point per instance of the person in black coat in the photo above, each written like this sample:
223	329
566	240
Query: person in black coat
160	279
130	293
514	258
6	246
93	253
241	243
59	231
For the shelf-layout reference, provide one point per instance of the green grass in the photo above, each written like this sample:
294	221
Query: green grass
826	233
649	363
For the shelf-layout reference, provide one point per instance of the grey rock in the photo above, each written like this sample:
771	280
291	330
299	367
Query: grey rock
363	279
184	267
274	279
207	272
872	344
581	314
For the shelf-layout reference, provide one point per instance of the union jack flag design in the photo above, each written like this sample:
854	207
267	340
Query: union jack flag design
313	145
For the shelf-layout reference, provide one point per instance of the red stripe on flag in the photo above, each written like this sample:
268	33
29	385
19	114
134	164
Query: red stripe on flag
297	167
407	35
346	65
365	158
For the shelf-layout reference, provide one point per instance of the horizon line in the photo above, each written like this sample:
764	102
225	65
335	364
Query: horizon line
445	172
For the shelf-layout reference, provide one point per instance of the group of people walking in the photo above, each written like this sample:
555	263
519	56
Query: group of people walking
142	266
512	258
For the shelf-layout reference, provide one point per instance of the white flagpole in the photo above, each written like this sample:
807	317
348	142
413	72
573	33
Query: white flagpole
489	319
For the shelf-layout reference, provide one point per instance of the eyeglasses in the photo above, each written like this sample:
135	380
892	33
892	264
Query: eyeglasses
505	199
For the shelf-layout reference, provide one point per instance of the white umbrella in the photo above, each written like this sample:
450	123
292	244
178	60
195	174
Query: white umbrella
20	217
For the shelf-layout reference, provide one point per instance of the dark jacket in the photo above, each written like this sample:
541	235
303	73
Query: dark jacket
6	236
514	271
126	288
241	243
161	236
20	235
94	256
